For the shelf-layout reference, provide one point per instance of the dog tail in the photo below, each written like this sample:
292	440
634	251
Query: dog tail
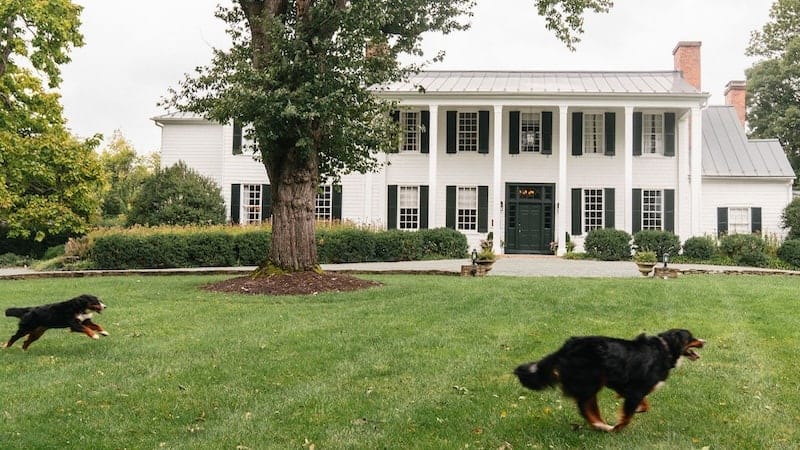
539	375
16	312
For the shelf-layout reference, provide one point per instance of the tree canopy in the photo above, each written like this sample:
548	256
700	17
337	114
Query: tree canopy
299	74
773	84
50	182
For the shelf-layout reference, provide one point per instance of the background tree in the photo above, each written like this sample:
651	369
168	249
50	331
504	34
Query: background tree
773	84
177	195
299	73
50	182
126	171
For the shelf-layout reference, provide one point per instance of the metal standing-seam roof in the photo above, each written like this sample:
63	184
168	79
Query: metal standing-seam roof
727	151
535	82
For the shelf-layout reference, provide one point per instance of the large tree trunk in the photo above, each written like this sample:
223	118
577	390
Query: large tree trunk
294	182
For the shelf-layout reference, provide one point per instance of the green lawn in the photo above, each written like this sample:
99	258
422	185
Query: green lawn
421	362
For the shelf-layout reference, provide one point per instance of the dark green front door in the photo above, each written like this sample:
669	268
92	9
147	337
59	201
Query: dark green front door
529	218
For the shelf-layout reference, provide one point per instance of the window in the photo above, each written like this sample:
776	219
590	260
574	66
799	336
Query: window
652	133
593	140
467	209
468	131
323	207
408	207
738	220
530	135
592	209
410	123
252	203
652	210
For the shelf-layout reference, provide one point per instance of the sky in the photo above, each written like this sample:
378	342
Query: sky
135	51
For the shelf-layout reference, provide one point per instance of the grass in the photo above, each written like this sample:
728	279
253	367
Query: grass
422	362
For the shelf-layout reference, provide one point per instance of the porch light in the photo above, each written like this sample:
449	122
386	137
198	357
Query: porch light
666	259
474	257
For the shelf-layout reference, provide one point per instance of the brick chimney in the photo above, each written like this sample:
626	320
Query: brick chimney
736	96
687	60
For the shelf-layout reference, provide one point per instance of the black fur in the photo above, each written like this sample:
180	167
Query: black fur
74	314
632	368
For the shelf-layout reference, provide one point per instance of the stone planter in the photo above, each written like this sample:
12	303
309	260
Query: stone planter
645	268
486	264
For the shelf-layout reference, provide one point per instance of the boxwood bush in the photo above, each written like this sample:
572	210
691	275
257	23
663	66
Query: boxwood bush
745	249
789	252
168	247
657	241
608	244
700	247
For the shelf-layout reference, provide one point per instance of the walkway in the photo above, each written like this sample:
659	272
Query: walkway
527	266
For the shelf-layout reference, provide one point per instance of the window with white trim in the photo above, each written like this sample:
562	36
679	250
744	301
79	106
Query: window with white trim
408	207
467	208
652	210
323	203
739	221
652	134
530	133
592	209
252	203
467	131
593	133
410	123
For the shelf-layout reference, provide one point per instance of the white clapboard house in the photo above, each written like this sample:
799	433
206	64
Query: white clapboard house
535	158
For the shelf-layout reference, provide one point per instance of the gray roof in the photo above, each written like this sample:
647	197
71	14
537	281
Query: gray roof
562	83
727	152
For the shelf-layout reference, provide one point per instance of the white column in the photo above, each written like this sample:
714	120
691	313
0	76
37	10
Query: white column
561	187
433	162
696	139
496	217
684	201
628	176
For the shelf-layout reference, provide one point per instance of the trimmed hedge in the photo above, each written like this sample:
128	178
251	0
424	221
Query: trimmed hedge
657	241
789	252
217	246
700	247
608	244
745	249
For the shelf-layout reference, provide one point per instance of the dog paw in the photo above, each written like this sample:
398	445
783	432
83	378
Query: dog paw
104	333
95	336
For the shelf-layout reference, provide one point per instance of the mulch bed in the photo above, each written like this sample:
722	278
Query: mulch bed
296	283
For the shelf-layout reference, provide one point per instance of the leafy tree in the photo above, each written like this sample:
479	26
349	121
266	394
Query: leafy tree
127	171
299	73
177	195
790	219
773	84
50	182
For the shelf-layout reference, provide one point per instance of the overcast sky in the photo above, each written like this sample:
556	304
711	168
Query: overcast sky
136	50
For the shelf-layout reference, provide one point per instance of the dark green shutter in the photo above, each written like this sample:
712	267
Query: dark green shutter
609	207
577	133
669	134
266	202
391	210
424	136
513	133
336	202
452	124
483	131
577	212
395	116
483	209
423	207
236	192
722	222
611	130
237	138
636	223
669	210
637	134
450	207
547	133
755	221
